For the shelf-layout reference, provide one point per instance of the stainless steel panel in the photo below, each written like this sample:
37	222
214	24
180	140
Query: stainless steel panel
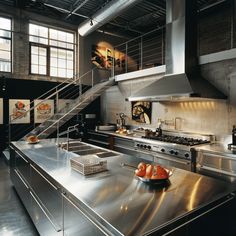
41	219
48	194
166	160
124	142
23	166
77	223
22	189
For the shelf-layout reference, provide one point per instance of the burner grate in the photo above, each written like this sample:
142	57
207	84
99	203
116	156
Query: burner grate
178	139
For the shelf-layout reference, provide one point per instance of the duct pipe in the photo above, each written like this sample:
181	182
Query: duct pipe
104	15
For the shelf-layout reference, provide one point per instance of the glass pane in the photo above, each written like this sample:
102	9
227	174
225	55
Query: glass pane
42	60
34	59
53	34
5	56
34	50
53	43
53	61
69	65
5	23
53	52
69	55
43	41
34	39
42	51
34	69
61	63
53	71
61	44
61	36
5	44
70	38
42	70
5	66
69	73
5	33
62	54
61	72
43	32
70	46
33	29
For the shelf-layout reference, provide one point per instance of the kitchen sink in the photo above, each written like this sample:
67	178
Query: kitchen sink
86	149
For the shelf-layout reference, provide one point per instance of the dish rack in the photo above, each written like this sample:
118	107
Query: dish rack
88	164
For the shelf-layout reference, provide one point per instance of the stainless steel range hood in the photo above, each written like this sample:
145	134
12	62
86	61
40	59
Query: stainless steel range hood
183	80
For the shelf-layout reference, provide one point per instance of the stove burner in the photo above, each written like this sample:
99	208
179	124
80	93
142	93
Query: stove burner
178	140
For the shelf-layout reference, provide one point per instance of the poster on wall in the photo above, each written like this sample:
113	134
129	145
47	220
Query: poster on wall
18	111
62	103
102	57
1	111
142	112
44	110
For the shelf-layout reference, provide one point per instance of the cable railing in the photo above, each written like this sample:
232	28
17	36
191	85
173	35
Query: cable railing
51	102
140	53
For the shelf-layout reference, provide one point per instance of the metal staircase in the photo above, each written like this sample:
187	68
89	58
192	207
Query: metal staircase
53	123
80	92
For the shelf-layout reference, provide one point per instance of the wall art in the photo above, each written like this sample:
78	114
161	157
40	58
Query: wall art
142	112
43	110
18	111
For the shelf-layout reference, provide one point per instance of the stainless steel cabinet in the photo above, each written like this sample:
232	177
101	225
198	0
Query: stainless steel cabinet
48	194
76	222
124	145
99	139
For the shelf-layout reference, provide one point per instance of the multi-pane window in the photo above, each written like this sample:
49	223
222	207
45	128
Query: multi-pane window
5	44
52	51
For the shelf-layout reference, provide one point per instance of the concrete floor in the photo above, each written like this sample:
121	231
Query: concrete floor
14	220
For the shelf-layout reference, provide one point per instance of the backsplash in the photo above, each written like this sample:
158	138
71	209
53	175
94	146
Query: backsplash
211	117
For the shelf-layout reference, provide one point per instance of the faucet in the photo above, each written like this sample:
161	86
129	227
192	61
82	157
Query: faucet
67	132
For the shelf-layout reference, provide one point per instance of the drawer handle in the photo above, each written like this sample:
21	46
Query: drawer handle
22	157
21	178
57	228
44	177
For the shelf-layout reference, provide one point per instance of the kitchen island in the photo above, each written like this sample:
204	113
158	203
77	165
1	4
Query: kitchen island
61	201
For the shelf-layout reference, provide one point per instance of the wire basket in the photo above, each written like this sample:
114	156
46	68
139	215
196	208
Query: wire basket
89	164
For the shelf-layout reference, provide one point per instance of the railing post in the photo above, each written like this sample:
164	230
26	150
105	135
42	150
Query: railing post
92	78
126	57
113	64
141	53
162	48
9	130
80	86
57	100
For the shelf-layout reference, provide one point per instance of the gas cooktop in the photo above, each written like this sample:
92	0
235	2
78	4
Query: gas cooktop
188	141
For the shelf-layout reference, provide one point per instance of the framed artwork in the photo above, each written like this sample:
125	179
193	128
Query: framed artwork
43	111
62	103
17	111
1	111
142	112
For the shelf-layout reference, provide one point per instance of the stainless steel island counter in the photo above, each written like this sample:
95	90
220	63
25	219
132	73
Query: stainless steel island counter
114	201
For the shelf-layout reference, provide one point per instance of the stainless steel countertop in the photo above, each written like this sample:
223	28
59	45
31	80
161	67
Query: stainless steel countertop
119	198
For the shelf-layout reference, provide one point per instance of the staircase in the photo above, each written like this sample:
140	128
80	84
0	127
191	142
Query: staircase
61	117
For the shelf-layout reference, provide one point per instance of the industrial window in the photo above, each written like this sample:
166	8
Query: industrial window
52	51
5	44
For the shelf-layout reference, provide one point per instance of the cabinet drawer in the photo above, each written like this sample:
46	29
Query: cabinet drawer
23	166
76	222
22	188
48	194
42	220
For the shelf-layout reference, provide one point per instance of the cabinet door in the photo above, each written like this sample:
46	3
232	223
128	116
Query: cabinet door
48	194
76	222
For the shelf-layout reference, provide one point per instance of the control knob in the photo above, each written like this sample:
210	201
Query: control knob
149	147
172	152
176	153
186	155
162	150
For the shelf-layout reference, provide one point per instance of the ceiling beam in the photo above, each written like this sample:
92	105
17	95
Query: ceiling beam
76	8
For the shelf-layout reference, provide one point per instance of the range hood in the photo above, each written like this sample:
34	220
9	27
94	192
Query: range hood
183	80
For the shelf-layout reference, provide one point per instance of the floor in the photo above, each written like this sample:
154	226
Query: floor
14	220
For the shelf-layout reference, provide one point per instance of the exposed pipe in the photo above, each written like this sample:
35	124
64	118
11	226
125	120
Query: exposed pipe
104	15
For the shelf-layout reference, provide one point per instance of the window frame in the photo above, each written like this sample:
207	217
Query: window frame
11	43
48	46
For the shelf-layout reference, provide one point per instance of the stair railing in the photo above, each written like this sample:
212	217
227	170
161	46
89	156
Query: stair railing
69	89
